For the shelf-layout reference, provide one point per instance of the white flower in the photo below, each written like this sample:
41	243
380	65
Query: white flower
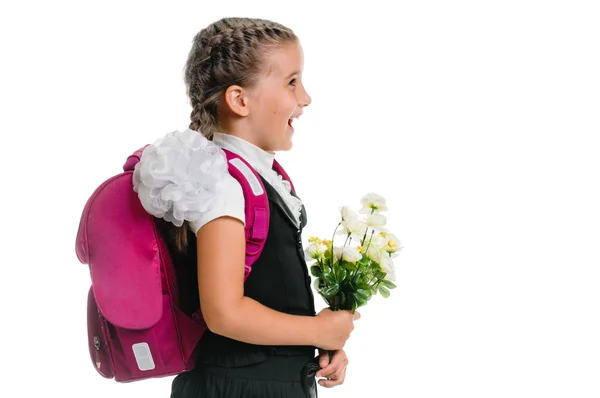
352	224
315	251
393	245
383	247
376	220
372	203
347	253
375	243
348	214
387	265
178	176
384	242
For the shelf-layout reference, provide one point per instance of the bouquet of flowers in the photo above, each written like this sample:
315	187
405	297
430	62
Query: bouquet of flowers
349	275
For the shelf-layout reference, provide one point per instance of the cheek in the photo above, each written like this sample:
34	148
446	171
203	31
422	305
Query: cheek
281	110
287	105
277	108
285	101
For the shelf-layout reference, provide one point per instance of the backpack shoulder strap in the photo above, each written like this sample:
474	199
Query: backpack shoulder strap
256	209
255	197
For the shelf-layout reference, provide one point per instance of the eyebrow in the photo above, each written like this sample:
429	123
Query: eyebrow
292	74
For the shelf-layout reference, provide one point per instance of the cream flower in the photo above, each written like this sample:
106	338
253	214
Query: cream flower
376	242
376	220
315	250
387	265
347	253
348	214
352	224
393	245
373	203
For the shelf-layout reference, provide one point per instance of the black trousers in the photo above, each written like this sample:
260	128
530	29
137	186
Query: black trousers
280	376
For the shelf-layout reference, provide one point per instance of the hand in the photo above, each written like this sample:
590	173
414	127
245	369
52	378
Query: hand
335	328
334	371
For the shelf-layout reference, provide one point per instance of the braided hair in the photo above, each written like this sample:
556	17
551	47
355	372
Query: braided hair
228	52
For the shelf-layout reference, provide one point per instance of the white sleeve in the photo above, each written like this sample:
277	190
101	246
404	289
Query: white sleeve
228	202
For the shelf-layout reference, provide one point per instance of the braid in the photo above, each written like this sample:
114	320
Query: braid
227	52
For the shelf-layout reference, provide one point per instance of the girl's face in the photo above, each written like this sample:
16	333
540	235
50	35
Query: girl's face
278	97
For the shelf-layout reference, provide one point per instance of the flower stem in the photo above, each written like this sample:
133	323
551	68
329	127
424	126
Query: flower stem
332	239
347	239
362	242
370	240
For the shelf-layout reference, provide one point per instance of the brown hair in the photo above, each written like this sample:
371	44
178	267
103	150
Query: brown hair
228	52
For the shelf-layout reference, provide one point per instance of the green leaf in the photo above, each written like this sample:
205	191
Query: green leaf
360	302
388	284
335	271
362	295
317	284
331	290
380	274
358	276
384	291
315	270
329	279
341	275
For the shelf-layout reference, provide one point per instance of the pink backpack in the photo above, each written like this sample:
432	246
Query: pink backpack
136	329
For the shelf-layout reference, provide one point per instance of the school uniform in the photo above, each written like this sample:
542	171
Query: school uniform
279	280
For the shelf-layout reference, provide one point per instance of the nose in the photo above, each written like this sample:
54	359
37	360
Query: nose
304	99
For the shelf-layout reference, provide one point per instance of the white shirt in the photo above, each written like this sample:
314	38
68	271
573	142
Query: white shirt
230	199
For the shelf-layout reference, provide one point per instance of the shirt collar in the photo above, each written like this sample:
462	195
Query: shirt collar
257	157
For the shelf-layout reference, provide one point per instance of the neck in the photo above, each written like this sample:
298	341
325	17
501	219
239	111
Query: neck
242	129
258	157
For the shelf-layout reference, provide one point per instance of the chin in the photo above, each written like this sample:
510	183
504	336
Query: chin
287	144
284	144
282	147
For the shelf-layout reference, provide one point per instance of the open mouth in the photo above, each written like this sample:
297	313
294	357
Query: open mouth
291	121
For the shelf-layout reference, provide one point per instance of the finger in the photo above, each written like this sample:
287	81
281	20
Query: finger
332	382
339	374
332	364
356	316
324	358
333	368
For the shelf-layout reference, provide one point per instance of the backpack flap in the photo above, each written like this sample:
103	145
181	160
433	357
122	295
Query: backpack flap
117	238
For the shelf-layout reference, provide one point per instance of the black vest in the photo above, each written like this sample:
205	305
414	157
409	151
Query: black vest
279	280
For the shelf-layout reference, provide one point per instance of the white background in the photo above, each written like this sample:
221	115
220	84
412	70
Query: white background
478	120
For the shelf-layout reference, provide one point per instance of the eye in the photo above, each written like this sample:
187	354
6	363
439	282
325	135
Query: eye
293	82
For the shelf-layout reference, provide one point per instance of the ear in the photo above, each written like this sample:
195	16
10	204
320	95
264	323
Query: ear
236	99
